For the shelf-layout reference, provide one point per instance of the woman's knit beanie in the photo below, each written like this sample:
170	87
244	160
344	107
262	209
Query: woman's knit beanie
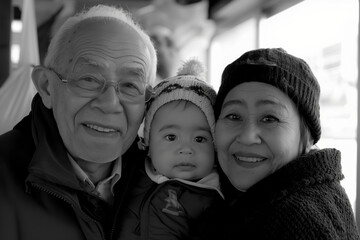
187	85
276	67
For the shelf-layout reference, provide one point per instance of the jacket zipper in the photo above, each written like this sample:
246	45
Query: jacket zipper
74	206
115	221
130	179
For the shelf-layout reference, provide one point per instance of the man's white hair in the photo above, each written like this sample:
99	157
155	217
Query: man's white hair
59	41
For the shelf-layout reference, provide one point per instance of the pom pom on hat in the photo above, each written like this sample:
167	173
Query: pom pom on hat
192	67
188	85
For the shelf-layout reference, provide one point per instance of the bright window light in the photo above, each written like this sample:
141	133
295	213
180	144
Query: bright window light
324	33
16	26
15	53
16	29
228	46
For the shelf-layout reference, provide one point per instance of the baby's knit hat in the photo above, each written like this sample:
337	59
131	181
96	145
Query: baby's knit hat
276	67
187	85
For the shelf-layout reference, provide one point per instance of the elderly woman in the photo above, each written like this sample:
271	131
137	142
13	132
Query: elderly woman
277	185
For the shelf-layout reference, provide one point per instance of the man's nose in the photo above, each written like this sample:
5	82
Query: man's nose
109	101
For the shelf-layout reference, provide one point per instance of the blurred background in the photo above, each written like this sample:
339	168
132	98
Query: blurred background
322	32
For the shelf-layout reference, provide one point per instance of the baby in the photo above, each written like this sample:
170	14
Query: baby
179	181
179	127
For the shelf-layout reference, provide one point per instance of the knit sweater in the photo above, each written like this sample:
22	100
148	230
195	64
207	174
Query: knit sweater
302	200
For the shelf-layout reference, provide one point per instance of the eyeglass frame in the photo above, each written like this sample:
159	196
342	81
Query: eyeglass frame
148	89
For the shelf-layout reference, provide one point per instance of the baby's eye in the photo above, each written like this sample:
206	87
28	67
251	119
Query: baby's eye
200	139
170	137
269	119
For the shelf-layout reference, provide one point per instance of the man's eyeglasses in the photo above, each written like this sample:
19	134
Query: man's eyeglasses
91	86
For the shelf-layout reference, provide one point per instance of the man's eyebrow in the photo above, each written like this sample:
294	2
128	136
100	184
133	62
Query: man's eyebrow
138	72
135	71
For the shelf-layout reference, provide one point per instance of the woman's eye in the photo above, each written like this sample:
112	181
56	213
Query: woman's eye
170	137
270	119
233	117
200	139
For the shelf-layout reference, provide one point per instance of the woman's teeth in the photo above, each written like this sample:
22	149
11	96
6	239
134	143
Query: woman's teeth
100	129
249	159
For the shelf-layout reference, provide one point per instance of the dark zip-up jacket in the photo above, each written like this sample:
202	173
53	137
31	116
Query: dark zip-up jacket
40	196
167	210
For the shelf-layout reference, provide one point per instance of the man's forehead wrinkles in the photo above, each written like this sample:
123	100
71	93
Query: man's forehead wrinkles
91	57
127	66
114	52
87	60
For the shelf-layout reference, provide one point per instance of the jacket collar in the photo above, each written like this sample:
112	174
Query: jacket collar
211	181
50	161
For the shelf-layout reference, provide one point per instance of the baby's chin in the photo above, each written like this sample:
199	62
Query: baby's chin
189	177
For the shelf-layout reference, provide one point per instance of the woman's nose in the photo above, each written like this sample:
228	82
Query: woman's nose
249	134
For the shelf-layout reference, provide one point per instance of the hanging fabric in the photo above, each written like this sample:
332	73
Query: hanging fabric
18	90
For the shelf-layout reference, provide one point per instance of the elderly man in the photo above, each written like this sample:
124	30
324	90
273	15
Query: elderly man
66	168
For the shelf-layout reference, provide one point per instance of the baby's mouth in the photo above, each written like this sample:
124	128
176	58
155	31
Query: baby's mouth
185	165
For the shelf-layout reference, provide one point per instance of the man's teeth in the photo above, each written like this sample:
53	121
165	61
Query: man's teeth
249	159
100	129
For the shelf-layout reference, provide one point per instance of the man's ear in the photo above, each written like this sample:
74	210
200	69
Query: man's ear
40	79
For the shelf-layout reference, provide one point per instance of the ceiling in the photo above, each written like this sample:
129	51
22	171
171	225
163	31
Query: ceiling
188	18
46	8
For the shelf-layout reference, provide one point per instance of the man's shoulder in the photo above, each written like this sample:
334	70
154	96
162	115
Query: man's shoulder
17	144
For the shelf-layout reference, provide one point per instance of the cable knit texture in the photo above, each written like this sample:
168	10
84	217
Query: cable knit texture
302	200
189	85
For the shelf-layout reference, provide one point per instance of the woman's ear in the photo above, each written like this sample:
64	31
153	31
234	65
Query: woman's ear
40	79
309	145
